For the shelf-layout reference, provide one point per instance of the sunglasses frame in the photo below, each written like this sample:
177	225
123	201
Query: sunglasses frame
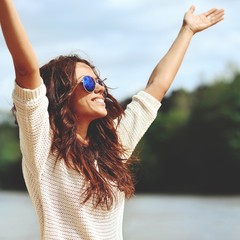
85	81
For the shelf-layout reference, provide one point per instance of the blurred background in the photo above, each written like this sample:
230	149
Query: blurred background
188	180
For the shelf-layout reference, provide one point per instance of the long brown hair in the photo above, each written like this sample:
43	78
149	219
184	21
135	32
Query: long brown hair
104	146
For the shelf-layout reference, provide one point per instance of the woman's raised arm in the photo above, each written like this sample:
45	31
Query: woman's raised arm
23	55
165	71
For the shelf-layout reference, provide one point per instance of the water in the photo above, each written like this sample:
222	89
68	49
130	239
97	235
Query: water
154	217
182	218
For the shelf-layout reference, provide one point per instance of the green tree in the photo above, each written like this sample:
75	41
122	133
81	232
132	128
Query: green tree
10	156
194	144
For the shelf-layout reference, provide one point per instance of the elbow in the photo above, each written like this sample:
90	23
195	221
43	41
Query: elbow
28	78
22	71
158	91
162	86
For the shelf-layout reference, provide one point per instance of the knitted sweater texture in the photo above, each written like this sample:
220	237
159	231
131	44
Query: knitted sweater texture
55	190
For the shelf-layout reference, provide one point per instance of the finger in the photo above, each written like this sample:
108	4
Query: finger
216	21
210	12
192	9
216	16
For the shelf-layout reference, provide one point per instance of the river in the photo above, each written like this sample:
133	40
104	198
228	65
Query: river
147	217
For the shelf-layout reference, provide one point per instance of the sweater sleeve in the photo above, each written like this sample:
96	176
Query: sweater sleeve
34	127
139	115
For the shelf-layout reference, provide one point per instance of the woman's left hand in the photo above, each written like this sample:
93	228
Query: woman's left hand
202	21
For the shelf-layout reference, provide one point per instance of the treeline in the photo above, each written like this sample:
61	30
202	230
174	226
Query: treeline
192	147
194	144
10	155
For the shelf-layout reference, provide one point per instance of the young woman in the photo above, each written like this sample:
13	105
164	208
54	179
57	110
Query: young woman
76	141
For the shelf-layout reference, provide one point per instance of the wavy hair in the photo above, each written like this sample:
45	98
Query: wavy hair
104	147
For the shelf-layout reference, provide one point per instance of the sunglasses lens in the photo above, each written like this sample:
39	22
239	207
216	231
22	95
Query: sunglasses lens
88	83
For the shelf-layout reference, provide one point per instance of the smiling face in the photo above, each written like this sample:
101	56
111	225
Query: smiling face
87	106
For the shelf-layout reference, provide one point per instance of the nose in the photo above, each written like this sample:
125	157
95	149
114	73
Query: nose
99	88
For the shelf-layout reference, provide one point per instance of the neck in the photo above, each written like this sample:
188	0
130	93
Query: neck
82	133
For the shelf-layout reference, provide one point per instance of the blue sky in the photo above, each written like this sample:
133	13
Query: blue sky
125	39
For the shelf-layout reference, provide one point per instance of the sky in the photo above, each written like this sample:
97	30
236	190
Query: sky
125	39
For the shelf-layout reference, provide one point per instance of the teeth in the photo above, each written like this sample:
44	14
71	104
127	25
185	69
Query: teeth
100	100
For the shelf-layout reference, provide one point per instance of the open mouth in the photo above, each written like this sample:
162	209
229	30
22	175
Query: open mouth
99	101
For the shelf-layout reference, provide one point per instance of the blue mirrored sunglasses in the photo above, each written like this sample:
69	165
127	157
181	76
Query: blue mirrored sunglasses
89	84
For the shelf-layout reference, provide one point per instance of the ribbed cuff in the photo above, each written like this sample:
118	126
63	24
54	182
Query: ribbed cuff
25	95
149	99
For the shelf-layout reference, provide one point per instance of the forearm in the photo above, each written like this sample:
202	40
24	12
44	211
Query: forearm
166	70
24	58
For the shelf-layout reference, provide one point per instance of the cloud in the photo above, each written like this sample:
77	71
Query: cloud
125	39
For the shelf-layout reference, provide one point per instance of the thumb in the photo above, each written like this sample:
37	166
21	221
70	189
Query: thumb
192	9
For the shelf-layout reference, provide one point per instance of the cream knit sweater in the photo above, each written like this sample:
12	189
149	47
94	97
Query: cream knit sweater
56	190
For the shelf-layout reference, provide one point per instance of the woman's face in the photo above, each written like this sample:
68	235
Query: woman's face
87	106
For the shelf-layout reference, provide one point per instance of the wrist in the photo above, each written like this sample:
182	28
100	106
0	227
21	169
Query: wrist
186	29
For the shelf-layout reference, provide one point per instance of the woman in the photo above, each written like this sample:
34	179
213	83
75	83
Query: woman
76	141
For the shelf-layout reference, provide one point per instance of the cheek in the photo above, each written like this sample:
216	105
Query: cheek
78	101
78	106
81	105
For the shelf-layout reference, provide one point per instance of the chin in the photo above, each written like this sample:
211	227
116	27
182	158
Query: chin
101	115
